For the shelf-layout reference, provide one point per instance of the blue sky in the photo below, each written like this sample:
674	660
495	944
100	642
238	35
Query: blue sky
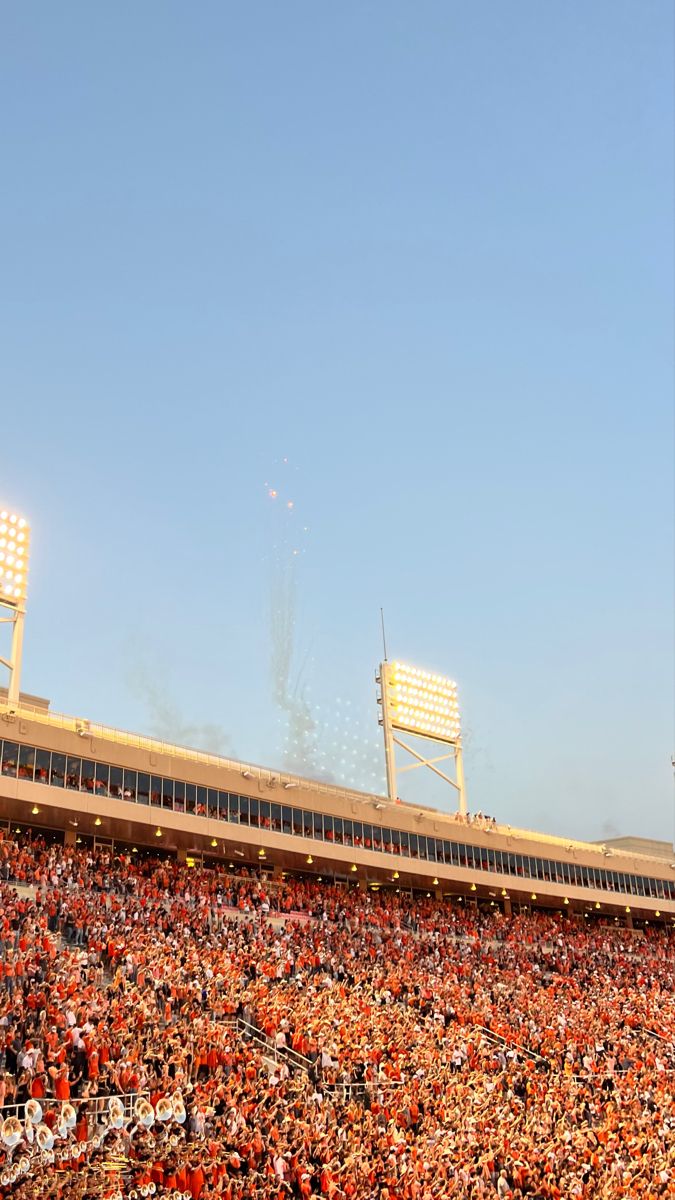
423	253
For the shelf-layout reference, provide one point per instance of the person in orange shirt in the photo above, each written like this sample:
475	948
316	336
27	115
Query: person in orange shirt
62	1085
196	1180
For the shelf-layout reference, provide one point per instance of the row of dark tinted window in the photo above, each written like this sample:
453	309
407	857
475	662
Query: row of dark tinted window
137	787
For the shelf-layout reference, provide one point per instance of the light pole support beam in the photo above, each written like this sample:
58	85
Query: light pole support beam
389	751
459	773
13	663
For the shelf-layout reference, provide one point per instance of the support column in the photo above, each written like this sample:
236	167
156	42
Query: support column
459	771
389	750
14	687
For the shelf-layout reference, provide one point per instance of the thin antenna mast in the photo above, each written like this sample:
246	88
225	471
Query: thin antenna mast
384	638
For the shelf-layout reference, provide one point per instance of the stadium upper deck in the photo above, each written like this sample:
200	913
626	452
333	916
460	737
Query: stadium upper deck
90	781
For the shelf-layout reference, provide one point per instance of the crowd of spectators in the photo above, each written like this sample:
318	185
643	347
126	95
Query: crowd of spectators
328	1041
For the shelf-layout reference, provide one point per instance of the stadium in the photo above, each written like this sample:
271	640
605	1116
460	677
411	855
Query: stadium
317	314
224	980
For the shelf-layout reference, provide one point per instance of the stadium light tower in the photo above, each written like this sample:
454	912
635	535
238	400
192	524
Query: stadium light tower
425	705
14	556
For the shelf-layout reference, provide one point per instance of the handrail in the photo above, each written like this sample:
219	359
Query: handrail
284	1053
98	1103
653	1034
502	1041
359	1089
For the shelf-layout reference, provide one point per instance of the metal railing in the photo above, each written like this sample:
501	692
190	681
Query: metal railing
253	1033
361	1089
653	1034
543	1061
96	1106
498	1040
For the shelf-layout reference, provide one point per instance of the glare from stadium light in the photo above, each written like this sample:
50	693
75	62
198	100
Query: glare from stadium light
421	702
14	557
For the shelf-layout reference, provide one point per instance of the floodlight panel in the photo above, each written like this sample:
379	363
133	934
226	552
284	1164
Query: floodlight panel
421	702
14	557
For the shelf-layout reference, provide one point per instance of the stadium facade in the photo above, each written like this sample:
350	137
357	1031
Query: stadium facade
87	783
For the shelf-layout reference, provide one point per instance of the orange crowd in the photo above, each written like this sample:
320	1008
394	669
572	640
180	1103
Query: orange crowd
328	1042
